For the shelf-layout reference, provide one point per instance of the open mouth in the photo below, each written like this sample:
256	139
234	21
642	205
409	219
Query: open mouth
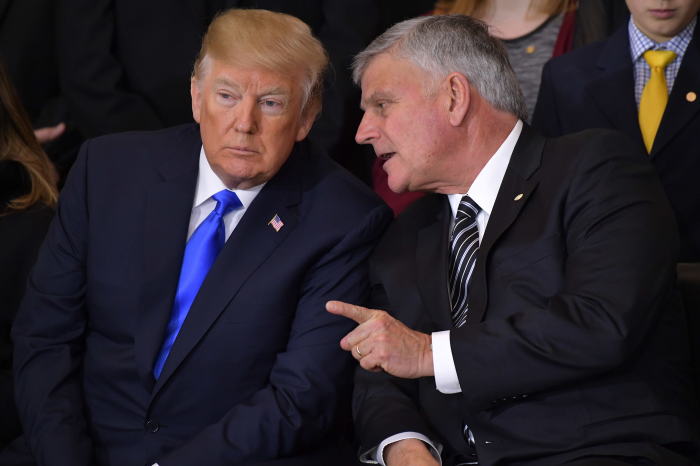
386	155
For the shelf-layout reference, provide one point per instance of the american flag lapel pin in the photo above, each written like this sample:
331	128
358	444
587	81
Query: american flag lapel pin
276	222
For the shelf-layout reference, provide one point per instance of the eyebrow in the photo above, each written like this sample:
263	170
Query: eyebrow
377	95
277	90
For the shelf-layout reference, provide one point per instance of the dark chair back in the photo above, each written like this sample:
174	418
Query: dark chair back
689	284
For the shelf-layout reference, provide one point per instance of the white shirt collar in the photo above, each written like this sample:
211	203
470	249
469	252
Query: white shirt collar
485	187
209	184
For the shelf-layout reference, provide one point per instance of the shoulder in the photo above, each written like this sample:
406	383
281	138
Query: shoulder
576	61
137	144
331	189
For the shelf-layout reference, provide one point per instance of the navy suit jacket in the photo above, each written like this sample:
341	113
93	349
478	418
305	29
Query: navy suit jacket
575	342
256	371
593	87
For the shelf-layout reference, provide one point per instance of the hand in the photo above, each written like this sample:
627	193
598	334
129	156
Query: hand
409	452
49	133
381	342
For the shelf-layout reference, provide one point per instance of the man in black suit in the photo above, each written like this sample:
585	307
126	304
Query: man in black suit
139	343
524	313
601	86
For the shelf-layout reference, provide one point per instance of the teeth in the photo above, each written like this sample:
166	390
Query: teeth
387	156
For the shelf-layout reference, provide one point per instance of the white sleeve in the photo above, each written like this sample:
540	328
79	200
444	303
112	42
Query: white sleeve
376	455
446	380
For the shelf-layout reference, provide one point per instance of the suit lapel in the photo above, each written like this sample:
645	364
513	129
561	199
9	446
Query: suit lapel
679	111
612	89
167	213
432	259
251	244
515	190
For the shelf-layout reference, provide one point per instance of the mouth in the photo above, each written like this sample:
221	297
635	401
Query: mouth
243	150
386	155
661	13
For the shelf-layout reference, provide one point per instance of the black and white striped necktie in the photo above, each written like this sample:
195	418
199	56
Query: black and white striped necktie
464	246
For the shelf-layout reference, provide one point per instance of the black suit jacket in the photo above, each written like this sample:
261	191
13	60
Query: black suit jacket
255	372
574	344
593	87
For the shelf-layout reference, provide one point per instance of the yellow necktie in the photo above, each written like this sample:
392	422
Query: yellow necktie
655	95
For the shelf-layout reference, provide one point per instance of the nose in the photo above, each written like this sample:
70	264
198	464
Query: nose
246	116
367	131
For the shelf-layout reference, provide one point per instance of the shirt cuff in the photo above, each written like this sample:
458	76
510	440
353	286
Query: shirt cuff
376	455
446	380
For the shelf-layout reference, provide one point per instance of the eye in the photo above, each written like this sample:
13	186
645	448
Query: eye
271	106
225	97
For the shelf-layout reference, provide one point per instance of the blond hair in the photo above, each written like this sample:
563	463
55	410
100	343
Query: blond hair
274	41
18	143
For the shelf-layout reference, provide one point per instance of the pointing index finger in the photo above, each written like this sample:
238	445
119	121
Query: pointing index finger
357	313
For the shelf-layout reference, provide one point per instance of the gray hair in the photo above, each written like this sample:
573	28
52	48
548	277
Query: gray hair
445	44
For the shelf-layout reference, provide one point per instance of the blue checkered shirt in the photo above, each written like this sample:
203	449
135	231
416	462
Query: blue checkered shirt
640	43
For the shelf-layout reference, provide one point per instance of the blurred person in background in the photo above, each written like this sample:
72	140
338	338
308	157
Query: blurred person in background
27	197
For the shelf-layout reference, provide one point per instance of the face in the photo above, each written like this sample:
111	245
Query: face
661	20
249	121
403	122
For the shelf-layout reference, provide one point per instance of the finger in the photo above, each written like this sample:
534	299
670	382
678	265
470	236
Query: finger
357	313
361	333
49	133
369	363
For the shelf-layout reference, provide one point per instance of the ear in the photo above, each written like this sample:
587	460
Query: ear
307	119
457	88
196	94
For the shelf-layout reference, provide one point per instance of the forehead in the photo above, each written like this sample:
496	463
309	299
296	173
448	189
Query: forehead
387	74
253	78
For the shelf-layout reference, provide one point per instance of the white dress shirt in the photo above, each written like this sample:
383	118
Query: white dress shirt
483	191
209	184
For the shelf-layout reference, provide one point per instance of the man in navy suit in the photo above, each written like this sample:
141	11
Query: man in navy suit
524	312
111	368
601	86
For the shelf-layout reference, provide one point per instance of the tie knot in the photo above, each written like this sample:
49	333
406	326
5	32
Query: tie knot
659	58
226	201
467	208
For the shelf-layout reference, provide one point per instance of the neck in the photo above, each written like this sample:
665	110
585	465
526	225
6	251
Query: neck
480	137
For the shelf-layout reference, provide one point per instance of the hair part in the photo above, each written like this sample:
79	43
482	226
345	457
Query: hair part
18	143
274	41
441	45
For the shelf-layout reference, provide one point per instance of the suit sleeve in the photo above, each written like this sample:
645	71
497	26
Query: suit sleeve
384	405
48	336
91	75
546	114
309	379
617	272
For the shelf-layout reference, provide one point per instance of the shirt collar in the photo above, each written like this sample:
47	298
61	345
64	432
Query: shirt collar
640	43
485	187
209	184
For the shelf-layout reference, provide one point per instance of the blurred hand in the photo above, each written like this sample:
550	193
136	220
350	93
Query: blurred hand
409	452
49	133
381	342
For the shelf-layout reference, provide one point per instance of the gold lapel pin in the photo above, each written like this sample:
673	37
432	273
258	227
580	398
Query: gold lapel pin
518	197
691	96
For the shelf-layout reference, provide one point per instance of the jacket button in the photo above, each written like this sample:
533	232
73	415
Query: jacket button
151	426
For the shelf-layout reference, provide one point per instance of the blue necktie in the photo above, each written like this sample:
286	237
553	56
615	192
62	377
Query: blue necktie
200	253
